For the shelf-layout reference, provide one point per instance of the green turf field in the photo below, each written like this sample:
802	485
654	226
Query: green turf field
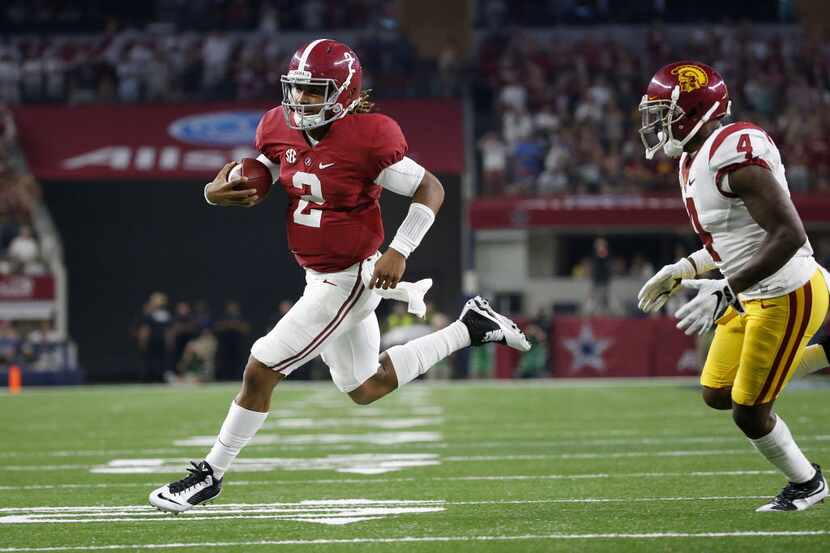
524	466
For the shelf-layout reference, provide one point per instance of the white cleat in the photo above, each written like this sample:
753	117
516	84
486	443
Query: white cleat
485	325
798	497
182	495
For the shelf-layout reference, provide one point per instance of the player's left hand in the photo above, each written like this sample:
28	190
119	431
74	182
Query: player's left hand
702	312
388	270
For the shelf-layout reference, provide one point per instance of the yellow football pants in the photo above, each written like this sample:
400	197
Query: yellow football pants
756	353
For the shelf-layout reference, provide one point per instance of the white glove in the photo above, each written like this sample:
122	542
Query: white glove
656	292
711	302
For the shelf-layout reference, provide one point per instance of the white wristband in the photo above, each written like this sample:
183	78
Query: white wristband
413	229
204	192
702	261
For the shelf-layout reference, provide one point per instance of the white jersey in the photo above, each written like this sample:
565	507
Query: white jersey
721	219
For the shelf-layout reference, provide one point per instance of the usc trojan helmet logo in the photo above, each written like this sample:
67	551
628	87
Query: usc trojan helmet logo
690	77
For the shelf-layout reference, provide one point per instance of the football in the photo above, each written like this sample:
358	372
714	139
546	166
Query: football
259	177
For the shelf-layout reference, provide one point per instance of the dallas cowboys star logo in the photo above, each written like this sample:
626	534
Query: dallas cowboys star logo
586	350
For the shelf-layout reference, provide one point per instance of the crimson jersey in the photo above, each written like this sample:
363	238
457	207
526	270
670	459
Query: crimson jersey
333	218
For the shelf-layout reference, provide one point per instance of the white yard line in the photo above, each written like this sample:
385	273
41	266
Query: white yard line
370	480
468	458
551	441
542	442
311	505
330	512
434	539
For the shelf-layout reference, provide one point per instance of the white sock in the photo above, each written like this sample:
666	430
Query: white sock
780	449
416	357
239	427
813	360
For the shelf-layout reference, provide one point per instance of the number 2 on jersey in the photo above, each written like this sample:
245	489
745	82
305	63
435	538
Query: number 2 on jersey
311	217
705	237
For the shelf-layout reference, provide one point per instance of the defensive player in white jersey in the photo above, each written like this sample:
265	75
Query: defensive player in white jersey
773	297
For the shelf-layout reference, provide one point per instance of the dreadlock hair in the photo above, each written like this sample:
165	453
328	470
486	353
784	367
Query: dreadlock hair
364	104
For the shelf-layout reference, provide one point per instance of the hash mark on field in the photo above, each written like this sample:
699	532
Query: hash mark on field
365	463
416	539
375	438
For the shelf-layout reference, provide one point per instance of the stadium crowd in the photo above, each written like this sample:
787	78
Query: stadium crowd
157	66
559	115
33	344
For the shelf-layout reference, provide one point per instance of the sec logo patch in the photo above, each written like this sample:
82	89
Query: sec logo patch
291	155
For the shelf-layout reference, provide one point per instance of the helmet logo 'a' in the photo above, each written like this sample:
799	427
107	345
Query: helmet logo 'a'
690	77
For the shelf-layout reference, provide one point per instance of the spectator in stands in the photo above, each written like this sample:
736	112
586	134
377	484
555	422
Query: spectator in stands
399	317
534	363
45	346
198	360
482	362
576	96
183	329
232	348
599	295
201	313
9	343
44	333
24	249
152	337
494	162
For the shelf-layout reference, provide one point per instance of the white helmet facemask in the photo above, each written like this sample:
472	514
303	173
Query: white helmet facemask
658	117
306	116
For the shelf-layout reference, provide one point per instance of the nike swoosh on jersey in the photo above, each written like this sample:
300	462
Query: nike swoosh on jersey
325	165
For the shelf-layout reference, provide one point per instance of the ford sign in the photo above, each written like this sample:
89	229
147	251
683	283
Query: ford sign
220	128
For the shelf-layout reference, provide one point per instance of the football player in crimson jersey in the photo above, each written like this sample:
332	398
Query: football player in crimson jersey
333	156
773	297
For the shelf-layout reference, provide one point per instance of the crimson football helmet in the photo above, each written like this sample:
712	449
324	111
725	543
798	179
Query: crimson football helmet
681	97
325	67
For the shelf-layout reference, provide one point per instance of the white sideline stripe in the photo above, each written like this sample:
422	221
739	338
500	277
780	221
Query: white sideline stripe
413	479
416	539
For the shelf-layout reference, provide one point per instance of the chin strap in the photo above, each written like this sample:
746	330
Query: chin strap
673	147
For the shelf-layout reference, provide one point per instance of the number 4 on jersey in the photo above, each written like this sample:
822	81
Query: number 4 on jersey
745	145
705	237
303	215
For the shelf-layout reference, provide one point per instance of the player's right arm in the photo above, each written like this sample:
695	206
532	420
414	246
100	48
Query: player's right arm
656	292
220	191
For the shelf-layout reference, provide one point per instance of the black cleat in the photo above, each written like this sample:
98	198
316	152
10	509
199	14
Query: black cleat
485	326
182	495
798	497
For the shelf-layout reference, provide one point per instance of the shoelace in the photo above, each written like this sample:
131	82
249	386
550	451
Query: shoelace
197	476
789	492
